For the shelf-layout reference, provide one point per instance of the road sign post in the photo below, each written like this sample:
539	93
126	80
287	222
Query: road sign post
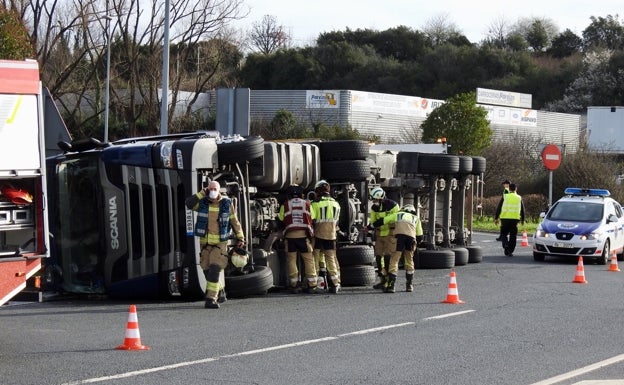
551	157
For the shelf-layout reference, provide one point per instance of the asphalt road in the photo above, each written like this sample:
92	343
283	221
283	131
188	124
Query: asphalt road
522	322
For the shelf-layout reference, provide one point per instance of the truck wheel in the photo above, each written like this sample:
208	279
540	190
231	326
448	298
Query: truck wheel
344	150
345	170
240	152
475	254
363	275
465	165
461	256
257	282
436	259
355	255
438	164
478	165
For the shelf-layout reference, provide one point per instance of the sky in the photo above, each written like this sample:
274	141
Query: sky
306	19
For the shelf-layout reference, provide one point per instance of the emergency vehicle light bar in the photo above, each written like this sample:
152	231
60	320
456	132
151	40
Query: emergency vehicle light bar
599	192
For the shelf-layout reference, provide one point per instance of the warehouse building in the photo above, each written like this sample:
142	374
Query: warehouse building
397	118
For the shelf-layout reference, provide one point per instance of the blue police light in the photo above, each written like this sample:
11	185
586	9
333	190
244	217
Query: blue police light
596	192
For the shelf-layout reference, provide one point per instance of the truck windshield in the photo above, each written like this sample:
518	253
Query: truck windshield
77	221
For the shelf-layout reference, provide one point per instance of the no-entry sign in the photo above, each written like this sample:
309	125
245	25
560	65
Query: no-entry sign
551	157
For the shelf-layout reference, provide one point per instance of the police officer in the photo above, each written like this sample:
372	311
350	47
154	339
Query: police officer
510	210
385	243
408	232
216	218
298	218
326	213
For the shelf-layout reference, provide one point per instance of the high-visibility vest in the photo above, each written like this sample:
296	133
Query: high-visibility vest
512	204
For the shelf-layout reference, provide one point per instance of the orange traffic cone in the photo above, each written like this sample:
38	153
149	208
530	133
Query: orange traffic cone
614	266
525	239
452	295
580	272
133	337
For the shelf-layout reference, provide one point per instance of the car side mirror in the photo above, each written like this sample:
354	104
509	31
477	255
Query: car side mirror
612	218
543	214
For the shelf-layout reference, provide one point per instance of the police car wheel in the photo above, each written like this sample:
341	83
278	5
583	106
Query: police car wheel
604	257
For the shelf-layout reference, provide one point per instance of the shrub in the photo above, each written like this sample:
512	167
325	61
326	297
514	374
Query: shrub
534	204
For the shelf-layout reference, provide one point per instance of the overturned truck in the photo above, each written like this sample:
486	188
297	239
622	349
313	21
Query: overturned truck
121	229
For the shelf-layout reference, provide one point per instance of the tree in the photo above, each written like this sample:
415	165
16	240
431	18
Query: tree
267	36
599	83
536	36
462	123
71	43
565	44
14	40
604	32
538	32
440	29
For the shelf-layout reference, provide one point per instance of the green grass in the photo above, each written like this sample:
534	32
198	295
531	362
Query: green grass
487	224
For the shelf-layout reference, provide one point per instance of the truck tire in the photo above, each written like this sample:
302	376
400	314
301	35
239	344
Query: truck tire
436	259
465	165
461	256
240	152
344	150
475	254
438	164
362	275
478	165
355	255
345	170
257	282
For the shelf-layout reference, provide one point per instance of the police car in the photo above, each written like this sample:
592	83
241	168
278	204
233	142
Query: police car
584	223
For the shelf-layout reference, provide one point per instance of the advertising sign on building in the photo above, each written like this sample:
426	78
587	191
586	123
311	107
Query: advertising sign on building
503	98
322	99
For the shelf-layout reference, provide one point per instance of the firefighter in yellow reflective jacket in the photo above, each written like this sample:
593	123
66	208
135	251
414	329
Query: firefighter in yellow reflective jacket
385	242
408	233
326	213
216	218
298	218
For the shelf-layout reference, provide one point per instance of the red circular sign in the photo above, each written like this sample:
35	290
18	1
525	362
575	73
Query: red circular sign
551	157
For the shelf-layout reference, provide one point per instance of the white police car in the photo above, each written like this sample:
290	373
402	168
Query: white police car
585	222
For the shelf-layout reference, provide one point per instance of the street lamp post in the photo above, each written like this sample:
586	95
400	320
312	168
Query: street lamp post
107	91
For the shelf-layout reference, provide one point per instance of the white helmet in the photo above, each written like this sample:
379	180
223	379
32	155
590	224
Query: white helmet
377	193
409	209
239	257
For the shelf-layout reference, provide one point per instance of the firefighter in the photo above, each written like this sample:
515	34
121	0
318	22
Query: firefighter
408	233
297	217
216	218
385	243
326	213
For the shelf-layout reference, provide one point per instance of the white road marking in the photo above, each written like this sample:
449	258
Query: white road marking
580	371
448	315
255	351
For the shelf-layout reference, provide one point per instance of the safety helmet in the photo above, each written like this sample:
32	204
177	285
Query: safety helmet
377	193
322	186
239	257
294	190
409	208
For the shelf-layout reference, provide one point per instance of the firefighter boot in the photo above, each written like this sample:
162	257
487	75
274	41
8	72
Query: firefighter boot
211	304
390	284
222	296
409	286
382	282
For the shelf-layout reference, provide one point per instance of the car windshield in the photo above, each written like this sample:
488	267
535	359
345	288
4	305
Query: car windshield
576	212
